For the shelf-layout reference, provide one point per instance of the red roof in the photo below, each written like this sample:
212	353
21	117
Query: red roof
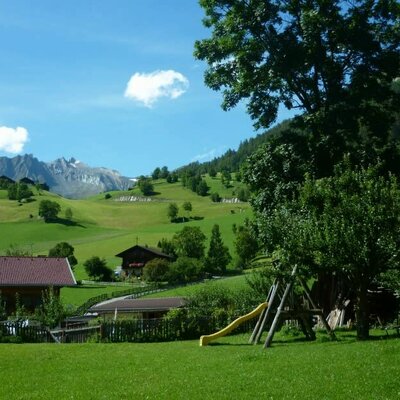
35	271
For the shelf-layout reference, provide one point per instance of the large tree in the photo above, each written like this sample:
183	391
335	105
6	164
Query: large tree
218	256
348	224
49	210
64	250
189	242
334	61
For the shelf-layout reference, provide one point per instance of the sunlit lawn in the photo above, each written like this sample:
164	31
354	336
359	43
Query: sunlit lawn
231	369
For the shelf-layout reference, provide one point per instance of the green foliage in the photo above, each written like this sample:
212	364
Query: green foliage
185	269
51	312
97	269
218	256
167	247
187	206
156	270
215	197
146	186
156	173
202	188
164	172
172	211
189	242
172	177
312	41
347	224
64	250
16	251
226	178
212	172
243	194
49	210
107	196
246	245
19	191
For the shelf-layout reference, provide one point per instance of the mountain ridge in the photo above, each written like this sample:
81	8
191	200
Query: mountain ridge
69	178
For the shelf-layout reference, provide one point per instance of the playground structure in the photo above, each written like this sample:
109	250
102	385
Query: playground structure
281	304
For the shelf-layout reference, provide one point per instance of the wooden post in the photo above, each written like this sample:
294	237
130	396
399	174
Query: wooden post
267	313
261	317
308	294
279	310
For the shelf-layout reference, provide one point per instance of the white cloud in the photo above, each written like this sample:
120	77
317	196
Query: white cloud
148	88
13	140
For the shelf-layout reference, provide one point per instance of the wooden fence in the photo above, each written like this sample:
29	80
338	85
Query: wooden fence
21	331
160	330
136	330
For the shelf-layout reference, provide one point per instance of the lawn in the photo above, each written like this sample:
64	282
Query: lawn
182	370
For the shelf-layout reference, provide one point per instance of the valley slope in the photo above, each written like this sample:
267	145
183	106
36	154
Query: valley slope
105	227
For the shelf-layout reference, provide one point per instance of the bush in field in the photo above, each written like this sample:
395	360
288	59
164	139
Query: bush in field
64	250
97	269
185	269
49	210
156	270
52	311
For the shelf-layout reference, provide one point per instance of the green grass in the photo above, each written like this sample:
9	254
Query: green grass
182	370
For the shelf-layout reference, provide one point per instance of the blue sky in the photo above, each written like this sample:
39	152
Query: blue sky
111	83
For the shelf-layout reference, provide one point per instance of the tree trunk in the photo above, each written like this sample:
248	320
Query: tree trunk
362	311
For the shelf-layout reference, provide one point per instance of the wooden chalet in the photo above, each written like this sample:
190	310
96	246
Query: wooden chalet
135	258
29	277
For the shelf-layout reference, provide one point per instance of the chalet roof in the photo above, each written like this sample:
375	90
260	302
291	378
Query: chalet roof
139	305
35	271
151	250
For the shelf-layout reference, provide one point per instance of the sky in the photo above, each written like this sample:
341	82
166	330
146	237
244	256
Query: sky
111	83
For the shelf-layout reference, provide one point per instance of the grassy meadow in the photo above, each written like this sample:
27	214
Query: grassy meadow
229	369
106	227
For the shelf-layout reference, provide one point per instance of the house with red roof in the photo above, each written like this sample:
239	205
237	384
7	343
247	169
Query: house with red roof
135	258
29	277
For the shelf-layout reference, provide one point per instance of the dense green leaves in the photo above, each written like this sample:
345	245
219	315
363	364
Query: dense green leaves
64	250
189	242
348	223
218	256
97	269
49	210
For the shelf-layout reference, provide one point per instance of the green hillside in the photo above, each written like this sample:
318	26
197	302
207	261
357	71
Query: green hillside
104	227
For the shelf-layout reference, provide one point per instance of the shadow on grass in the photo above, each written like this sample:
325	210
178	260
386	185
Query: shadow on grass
66	222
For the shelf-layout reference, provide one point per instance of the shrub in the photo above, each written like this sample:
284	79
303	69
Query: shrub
185	269
156	270
97	269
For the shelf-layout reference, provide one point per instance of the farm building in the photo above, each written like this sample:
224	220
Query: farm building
135	258
29	277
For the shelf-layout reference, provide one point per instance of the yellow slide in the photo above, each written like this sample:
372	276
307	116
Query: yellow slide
205	339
